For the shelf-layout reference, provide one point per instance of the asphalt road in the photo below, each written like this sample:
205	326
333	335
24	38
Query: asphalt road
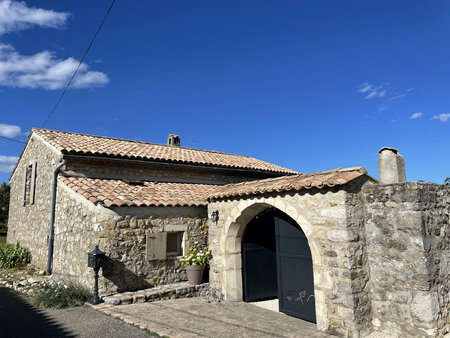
18	318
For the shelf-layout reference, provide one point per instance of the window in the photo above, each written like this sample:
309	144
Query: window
29	184
174	244
164	244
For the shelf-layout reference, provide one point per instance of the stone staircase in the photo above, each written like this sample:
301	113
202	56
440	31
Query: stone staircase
160	292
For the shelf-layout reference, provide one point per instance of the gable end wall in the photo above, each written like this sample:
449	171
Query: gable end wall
29	224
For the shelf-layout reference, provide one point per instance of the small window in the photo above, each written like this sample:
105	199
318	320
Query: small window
29	184
164	244
174	243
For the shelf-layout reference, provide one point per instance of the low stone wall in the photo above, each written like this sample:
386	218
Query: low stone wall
408	238
157	293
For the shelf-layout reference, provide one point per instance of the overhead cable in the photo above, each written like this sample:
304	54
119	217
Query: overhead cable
11	139
79	65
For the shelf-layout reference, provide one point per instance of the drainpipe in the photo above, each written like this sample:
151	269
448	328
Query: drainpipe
52	218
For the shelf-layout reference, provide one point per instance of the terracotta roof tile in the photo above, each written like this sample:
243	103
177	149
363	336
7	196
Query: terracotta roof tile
113	192
73	143
297	182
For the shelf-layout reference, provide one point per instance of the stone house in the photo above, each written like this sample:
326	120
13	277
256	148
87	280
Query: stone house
143	203
357	256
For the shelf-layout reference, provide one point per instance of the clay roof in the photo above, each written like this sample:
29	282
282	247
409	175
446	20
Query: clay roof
321	179
113	192
82	144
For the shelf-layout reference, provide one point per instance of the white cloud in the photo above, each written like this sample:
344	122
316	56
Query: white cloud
16	16
364	87
9	130
371	91
7	163
416	115
442	117
44	70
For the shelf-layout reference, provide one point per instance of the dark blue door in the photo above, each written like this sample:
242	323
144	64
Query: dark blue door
295	270
259	270
277	263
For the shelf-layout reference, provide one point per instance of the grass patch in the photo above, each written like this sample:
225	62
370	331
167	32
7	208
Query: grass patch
60	296
2	239
12	256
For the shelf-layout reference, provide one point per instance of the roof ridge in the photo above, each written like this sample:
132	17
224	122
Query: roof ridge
142	142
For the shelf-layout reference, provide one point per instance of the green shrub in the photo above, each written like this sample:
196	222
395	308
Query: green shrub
60	296
196	256
12	256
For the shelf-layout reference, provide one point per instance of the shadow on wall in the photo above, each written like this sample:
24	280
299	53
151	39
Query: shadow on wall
124	279
18	318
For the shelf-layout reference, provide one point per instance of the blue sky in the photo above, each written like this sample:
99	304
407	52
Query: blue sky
309	85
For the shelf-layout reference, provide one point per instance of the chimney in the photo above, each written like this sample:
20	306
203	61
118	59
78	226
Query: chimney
173	140
391	166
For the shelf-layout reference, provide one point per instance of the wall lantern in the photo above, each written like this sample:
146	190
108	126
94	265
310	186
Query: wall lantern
96	258
215	216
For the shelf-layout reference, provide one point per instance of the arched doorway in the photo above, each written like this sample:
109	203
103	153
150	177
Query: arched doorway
277	263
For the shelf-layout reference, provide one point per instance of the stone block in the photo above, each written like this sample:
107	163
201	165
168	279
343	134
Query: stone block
110	225
103	234
139	298
345	312
425	307
342	236
111	300
339	213
122	224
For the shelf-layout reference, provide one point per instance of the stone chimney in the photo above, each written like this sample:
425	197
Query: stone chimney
173	140
391	166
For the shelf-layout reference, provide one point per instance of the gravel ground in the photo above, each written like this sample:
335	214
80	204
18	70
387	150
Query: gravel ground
18	318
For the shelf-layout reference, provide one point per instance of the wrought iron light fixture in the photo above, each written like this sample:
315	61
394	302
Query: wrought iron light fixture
215	216
96	258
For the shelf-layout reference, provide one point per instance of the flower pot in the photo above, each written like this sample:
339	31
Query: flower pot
194	274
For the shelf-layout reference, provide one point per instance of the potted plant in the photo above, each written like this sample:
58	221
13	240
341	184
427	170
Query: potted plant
195	261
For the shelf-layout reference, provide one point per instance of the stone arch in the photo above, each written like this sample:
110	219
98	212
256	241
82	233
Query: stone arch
333	241
232	240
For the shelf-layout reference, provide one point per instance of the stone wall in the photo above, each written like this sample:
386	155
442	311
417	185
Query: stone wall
332	220
76	229
124	240
408	239
28	224
121	233
155	172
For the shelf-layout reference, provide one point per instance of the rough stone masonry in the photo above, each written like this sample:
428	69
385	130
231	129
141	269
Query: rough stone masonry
407	242
380	252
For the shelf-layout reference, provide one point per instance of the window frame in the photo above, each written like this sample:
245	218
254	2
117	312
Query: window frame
29	184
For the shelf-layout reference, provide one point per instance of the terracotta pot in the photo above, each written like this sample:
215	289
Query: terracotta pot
194	274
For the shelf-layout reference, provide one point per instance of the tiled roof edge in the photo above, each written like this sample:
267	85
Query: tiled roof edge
288	185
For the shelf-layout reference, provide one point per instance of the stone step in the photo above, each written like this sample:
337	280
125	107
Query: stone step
160	292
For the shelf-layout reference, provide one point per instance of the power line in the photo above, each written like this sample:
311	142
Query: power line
78	67
11	139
